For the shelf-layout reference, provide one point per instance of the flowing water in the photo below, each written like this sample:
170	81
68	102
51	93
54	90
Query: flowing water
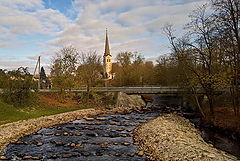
105	137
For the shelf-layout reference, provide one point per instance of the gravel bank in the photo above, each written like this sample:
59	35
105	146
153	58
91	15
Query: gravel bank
171	137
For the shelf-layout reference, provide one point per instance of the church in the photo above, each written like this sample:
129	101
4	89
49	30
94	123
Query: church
107	61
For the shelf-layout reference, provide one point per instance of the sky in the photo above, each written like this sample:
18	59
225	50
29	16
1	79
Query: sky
32	28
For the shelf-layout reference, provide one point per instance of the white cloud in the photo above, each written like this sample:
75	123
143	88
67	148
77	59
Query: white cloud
133	25
28	17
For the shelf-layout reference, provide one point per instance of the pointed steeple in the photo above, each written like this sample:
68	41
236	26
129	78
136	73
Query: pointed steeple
107	50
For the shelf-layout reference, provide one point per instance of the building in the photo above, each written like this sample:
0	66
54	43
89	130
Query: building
107	61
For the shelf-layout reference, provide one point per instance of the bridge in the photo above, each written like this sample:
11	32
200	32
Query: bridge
134	90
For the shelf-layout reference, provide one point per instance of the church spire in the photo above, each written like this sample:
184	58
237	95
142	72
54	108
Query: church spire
107	50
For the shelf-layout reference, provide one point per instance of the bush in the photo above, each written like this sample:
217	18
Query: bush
18	86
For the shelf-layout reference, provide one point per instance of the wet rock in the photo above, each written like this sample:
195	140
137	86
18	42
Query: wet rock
39	143
59	143
104	144
126	143
21	142
106	135
77	134
86	154
92	134
59	128
123	135
120	129
65	134
54	156
113	123
101	118
58	134
27	157
36	158
71	155
140	153
99	154
118	154
131	154
89	119
3	157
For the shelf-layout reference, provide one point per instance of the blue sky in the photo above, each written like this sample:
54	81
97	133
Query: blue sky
32	28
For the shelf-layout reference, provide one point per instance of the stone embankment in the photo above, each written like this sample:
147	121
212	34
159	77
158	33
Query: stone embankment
172	137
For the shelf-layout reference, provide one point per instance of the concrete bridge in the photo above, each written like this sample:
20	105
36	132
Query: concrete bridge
174	90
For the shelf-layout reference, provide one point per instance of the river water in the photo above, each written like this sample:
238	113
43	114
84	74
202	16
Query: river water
105	137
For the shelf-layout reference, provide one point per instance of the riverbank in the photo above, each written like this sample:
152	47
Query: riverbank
172	137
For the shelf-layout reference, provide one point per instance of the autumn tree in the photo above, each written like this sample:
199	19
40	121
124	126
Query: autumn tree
18	86
90	69
63	68
227	15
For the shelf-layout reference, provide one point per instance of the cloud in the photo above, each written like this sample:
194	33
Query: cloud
23	17
133	25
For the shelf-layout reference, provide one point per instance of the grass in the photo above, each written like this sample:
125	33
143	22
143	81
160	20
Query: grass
46	104
9	113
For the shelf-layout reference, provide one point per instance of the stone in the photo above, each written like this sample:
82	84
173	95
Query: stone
36	158
89	119
39	143
118	154
113	123
120	129
59	143
58	134
106	135
3	157
54	156
71	155
27	157
79	146
140	153
92	134
65	134
72	144
126	143
59	128
77	134
123	135
104	144
131	154
101	118
86	154
47	134
99	153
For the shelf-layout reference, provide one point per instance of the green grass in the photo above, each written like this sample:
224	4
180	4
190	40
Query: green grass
9	113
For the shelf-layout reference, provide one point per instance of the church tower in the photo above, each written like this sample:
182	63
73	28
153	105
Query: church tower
107	61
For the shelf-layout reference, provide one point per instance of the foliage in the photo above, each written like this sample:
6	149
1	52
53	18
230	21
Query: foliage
63	68
18	86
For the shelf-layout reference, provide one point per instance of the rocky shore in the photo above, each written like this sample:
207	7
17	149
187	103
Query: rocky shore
172	137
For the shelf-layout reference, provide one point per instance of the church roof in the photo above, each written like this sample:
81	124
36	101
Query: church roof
107	50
